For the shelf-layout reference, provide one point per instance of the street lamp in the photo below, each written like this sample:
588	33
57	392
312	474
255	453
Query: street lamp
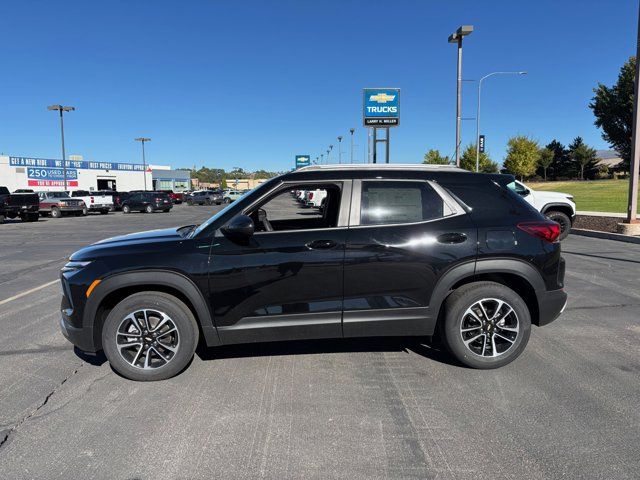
340	149
478	112
144	161
456	37
351	131
61	109
329	153
321	158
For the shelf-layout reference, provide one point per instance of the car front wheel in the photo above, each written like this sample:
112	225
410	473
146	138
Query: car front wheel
149	336
55	212
148	209
563	220
486	325
126	209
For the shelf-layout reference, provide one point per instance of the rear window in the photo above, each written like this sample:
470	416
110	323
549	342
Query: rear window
390	202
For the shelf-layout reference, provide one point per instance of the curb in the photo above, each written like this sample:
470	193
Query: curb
605	235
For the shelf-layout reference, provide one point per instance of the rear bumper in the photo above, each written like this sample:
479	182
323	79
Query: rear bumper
550	305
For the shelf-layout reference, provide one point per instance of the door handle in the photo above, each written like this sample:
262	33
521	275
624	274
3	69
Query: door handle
451	238
321	244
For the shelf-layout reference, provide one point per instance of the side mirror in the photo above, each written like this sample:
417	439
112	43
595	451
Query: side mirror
524	192
239	227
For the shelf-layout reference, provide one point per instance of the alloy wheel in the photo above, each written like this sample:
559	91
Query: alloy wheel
489	327
147	339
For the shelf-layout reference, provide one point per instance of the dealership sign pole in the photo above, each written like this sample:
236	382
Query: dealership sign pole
381	109
62	109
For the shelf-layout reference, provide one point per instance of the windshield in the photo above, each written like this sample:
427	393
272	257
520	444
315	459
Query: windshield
58	195
260	187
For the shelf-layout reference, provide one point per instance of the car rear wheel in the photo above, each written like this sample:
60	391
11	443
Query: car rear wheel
148	209
55	212
149	336
1	219
563	220
126	209
486	325
227	200
85	211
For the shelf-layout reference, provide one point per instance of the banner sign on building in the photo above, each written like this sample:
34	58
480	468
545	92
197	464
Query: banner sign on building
303	161
381	107
78	164
51	177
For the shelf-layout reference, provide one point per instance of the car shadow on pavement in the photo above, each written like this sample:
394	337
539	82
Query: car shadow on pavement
617	259
420	346
96	360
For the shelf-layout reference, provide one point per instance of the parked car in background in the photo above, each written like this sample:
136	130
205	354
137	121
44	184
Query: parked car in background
176	197
23	190
58	204
231	195
94	201
556	206
314	198
116	197
18	204
399	250
147	202
205	197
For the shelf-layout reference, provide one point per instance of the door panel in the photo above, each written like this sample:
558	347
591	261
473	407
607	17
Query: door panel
391	270
276	287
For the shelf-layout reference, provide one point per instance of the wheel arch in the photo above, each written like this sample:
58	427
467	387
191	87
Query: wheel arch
116	287
559	207
518	275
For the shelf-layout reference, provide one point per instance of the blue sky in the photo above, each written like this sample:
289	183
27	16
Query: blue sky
253	83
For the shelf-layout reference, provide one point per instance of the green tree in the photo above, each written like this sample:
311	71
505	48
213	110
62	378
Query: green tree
468	160
545	161
522	157
433	157
584	156
562	166
613	109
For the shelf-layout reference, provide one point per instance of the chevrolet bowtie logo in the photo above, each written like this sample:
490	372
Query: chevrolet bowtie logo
382	98
303	159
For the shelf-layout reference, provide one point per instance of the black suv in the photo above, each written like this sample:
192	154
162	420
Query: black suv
147	202
397	250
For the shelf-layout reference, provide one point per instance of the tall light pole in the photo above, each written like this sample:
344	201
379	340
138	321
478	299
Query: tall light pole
351	131
456	37
632	206
329	153
339	148
144	160
321	158
61	109
478	111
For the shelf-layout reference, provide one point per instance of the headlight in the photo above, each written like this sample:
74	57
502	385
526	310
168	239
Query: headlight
74	266
63	204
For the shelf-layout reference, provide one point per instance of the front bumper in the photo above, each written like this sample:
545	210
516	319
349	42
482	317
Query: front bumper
80	337
550	305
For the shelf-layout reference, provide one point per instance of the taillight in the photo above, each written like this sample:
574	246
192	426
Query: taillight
92	201
310	195
546	229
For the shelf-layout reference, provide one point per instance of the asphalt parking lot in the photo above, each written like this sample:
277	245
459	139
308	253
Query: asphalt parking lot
569	407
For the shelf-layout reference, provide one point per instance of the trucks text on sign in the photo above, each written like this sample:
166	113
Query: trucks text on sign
381	107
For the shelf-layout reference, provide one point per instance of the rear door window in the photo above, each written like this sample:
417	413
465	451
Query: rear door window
393	202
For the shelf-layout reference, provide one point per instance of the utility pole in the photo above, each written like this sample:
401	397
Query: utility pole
61	109
456	37
144	161
351	131
339	148
632	207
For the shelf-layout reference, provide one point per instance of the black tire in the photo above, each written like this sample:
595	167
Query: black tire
84	211
1	219
55	212
104	212
149	209
464	298
564	221
166	210
227	200
126	209
180	315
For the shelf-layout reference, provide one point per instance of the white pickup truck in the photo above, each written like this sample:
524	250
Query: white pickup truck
95	202
556	206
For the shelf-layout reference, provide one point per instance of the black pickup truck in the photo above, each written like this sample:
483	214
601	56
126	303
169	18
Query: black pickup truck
23	205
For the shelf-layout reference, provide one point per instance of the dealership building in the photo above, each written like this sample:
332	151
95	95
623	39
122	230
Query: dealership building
48	174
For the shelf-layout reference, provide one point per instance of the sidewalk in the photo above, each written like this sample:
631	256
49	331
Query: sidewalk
605	214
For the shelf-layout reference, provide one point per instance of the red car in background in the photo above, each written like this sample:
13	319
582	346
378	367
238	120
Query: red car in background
176	198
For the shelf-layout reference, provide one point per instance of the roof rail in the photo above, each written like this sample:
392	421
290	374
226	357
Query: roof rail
383	166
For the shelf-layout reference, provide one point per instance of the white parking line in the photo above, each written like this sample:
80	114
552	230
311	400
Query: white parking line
20	295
